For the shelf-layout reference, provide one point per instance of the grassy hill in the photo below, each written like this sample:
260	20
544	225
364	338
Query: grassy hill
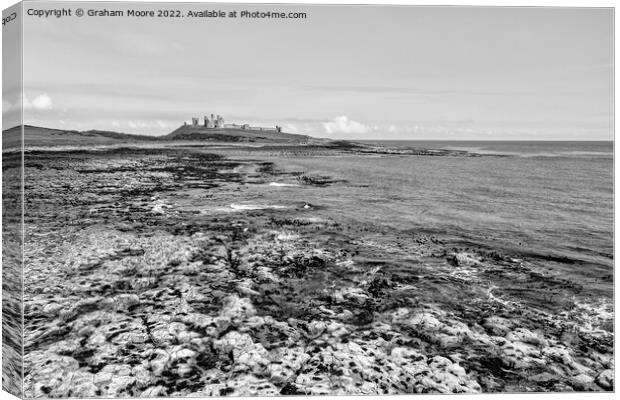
39	136
189	132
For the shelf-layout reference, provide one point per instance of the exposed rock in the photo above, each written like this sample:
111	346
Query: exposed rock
582	382
243	385
545	378
519	355
497	326
154	391
606	379
237	309
315	329
354	294
559	354
526	336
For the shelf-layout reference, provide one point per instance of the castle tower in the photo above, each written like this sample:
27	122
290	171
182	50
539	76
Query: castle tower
206	124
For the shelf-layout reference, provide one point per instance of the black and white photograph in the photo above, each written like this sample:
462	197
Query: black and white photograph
244	199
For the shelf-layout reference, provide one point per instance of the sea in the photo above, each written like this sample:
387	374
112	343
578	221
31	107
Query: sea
552	200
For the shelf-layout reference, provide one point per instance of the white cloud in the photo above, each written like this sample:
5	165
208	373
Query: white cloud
40	102
343	124
158	125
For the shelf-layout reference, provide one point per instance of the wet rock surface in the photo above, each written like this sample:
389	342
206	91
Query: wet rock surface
142	280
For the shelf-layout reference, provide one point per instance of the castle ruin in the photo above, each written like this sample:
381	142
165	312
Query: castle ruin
217	122
214	122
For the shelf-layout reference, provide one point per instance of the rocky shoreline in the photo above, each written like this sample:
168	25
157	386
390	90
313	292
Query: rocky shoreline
134	288
11	274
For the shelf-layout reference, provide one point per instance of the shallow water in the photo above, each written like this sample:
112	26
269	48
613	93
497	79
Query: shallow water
561	206
599	149
555	212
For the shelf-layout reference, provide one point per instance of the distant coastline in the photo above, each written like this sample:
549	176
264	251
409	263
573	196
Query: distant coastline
40	137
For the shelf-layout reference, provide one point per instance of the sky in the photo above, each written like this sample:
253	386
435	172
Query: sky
347	72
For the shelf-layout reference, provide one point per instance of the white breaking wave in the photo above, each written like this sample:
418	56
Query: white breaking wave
281	184
254	207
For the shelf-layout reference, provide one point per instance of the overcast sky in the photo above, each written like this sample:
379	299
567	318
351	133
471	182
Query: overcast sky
344	72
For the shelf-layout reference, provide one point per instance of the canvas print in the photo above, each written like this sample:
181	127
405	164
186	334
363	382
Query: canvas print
205	199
